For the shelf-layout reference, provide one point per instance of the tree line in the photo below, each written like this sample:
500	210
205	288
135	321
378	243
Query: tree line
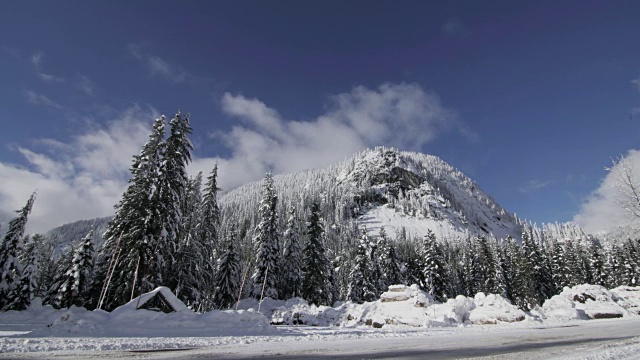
170	230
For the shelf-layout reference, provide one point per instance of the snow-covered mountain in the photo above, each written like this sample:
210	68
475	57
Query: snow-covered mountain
387	188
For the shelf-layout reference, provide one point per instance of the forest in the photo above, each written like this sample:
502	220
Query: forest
211	250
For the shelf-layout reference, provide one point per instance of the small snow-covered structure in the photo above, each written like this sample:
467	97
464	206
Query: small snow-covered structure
161	299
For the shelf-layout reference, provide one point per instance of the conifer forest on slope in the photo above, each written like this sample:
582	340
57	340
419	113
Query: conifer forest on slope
304	235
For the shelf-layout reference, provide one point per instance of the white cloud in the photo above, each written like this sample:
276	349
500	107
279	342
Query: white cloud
534	185
83	83
158	66
636	83
400	115
453	27
81	179
50	78
36	59
602	211
39	99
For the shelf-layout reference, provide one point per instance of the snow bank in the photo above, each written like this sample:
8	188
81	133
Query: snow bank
128	321
492	309
400	306
592	302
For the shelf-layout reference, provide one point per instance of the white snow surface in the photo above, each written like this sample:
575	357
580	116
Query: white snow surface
402	312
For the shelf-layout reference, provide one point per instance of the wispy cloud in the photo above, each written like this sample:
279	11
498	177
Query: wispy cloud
534	185
41	100
388	115
453	27
84	84
158	66
636	83
36	60
50	78
79	179
161	67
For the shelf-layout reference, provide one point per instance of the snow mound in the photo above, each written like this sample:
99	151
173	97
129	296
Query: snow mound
628	298
131	320
493	309
591	302
402	305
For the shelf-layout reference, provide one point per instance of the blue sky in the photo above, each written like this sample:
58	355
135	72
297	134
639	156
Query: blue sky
529	99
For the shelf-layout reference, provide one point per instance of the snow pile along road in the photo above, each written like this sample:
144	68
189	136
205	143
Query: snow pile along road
593	302
131	320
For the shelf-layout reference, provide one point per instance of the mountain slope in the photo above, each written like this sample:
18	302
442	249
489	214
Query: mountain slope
387	188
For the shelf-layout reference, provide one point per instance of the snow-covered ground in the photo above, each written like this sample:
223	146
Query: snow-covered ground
404	323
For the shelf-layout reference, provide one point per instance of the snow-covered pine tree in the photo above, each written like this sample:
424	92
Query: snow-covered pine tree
23	290
292	259
172	192
559	269
45	263
266	242
315	264
227	278
597	263
361	286
388	260
193	265
433	268
75	289
210	212
630	263
129	253
487	267
10	267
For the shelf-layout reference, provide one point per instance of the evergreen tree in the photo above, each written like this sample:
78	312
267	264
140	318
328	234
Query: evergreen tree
597	263
292	259
361	286
388	260
194	265
433	268
172	192
23	290
266	241
210	212
227	278
75	289
131	250
10	267
560	273
315	264
487	267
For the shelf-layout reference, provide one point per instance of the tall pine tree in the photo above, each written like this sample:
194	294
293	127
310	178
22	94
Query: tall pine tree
316	267
10	267
265	274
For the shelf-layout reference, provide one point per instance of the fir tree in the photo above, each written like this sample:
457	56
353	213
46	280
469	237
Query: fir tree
388	260
10	267
315	266
266	240
75	289
433	268
23	290
130	253
227	278
172	192
361	286
292	259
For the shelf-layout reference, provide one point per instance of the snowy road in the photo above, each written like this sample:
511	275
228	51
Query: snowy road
596	339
